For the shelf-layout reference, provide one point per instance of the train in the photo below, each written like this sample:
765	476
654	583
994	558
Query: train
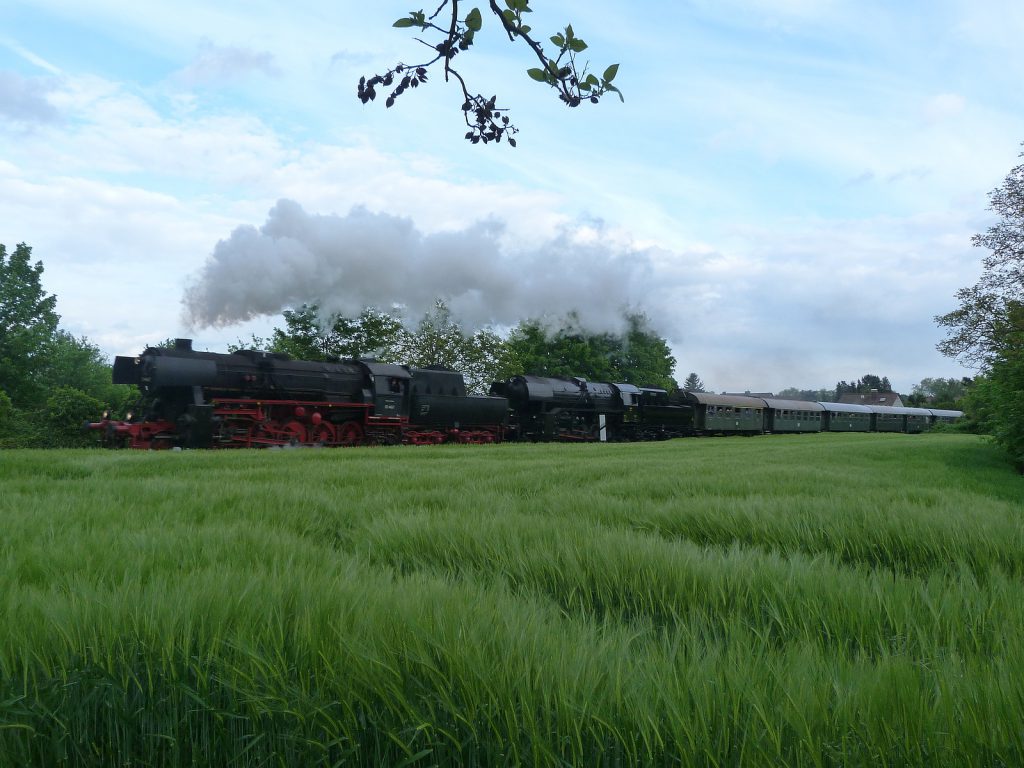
253	398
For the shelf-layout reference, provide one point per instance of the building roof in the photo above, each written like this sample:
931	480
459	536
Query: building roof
873	398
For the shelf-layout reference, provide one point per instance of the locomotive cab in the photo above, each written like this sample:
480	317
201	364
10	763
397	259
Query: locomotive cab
388	389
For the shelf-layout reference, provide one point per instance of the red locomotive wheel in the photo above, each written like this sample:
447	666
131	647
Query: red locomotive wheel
323	434
294	432
350	433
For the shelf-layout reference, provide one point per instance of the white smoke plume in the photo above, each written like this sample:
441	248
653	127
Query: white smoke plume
347	263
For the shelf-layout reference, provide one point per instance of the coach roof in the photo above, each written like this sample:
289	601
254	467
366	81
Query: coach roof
736	401
845	408
792	405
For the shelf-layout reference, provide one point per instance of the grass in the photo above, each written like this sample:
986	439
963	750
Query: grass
812	600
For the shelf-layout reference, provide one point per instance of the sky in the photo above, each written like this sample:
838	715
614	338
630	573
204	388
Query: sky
788	190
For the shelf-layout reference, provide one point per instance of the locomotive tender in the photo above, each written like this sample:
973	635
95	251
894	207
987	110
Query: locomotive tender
251	398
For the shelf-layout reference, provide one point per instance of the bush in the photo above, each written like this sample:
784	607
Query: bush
67	409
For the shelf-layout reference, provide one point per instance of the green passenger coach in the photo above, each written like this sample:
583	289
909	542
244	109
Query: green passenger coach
846	417
944	416
896	419
792	416
726	414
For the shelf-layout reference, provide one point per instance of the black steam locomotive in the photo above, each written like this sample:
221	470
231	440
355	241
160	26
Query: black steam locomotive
251	398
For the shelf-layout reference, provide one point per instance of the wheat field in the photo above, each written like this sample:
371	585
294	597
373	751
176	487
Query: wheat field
805	600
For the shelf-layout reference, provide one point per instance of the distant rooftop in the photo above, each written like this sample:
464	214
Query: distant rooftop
872	398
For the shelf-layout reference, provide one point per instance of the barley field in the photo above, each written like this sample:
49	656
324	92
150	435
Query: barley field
805	600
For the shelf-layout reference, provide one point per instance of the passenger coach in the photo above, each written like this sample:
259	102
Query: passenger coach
846	417
792	415
726	414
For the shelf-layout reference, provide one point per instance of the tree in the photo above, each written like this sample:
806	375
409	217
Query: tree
693	383
938	392
307	336
482	357
867	383
66	410
808	395
986	330
646	358
28	321
995	403
870	382
984	324
452	33
638	356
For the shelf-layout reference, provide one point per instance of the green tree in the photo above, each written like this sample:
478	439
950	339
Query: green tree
306	336
447	32
482	357
870	382
693	383
646	358
938	392
6	410
638	356
983	323
986	330
28	321
863	385
809	395
67	408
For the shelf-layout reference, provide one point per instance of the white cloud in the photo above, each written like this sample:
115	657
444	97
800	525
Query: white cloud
24	99
224	64
945	105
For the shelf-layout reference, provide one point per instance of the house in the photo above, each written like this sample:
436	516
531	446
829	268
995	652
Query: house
874	397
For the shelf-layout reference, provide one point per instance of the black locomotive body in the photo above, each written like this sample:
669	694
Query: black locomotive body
251	398
440	410
547	408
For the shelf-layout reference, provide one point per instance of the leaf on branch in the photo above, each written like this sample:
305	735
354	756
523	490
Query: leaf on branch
537	74
576	45
474	20
406	22
609	74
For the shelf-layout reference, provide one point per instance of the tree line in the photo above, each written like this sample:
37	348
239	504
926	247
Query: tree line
636	355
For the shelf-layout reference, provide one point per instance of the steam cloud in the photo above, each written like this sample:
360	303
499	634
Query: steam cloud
347	263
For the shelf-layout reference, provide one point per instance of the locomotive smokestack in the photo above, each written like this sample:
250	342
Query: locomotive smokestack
183	345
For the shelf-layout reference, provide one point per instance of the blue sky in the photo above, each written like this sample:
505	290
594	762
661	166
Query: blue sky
788	191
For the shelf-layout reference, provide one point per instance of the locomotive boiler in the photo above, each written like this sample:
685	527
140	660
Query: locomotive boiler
252	398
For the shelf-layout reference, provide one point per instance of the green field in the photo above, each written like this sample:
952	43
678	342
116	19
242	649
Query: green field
816	600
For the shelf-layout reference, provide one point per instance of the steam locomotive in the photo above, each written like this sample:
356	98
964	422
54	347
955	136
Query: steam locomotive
252	398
